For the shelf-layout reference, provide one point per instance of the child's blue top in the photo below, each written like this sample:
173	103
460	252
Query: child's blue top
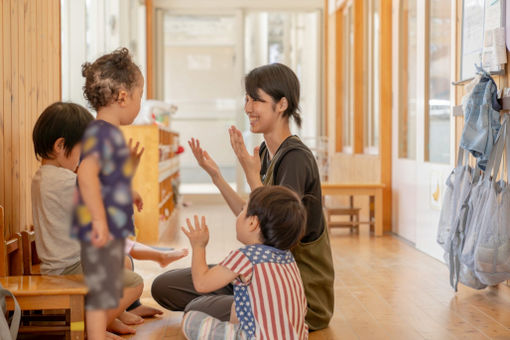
106	142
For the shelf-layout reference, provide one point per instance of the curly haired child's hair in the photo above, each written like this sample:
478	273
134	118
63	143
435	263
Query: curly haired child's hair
105	77
281	215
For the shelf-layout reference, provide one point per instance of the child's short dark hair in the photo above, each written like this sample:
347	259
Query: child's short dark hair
281	215
106	76
59	120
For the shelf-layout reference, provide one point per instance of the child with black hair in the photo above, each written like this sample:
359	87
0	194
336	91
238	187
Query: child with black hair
57	138
269	299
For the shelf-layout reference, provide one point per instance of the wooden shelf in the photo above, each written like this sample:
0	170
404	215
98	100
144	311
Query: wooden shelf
153	179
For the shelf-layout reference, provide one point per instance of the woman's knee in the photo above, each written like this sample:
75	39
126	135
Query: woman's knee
167	289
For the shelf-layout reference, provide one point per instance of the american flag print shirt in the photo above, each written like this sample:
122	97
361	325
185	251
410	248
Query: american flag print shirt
269	298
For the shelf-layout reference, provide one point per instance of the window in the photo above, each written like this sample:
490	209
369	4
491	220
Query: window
91	28
348	67
437	119
371	121
407	115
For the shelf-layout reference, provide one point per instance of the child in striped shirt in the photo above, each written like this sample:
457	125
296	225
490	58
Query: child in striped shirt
269	299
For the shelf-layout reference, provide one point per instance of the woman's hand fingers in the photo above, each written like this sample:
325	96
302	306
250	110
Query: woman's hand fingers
185	231
197	223
190	226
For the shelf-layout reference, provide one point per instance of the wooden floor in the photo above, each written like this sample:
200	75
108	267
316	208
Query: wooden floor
384	289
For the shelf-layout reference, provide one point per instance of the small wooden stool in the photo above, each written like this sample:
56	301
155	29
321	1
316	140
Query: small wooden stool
40	292
351	211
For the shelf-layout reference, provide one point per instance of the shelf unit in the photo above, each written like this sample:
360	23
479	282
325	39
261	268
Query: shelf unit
157	173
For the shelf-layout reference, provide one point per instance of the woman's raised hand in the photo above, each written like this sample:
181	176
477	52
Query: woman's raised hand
204	160
250	163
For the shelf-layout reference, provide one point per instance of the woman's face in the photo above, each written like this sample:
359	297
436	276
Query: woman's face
262	112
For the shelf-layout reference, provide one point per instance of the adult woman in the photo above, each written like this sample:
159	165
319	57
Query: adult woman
272	98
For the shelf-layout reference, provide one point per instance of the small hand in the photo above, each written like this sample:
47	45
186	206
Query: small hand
198	235
204	160
137	201
134	154
100	234
250	163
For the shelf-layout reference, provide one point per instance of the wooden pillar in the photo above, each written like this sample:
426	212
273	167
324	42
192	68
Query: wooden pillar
339	76
359	75
385	83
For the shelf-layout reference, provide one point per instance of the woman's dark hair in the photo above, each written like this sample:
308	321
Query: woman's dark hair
59	120
278	81
106	76
281	215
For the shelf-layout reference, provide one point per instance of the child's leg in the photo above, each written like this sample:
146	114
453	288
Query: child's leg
102	269
130	295
133	286
198	325
136	308
96	324
142	252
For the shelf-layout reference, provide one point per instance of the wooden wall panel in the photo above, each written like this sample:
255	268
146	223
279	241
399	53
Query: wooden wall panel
7	115
29	81
2	185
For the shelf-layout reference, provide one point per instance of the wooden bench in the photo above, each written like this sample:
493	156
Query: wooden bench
353	189
41	292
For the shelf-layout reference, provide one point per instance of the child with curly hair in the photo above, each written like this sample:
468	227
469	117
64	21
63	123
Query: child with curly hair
104	199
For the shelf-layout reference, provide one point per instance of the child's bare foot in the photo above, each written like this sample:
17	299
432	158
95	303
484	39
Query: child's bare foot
111	336
119	327
170	256
146	311
130	319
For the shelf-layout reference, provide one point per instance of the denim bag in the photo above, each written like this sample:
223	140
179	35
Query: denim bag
481	116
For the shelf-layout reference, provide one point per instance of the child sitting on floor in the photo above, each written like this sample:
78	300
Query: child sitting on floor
56	136
269	300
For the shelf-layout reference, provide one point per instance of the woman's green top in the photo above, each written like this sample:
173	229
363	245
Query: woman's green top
294	166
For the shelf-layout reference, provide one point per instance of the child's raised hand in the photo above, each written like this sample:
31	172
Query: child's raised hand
137	201
199	234
135	155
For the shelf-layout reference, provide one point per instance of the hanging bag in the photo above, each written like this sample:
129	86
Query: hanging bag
492	254
457	188
480	209
6	332
452	222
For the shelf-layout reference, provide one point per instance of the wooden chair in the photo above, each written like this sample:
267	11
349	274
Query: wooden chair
351	211
41	292
31	262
